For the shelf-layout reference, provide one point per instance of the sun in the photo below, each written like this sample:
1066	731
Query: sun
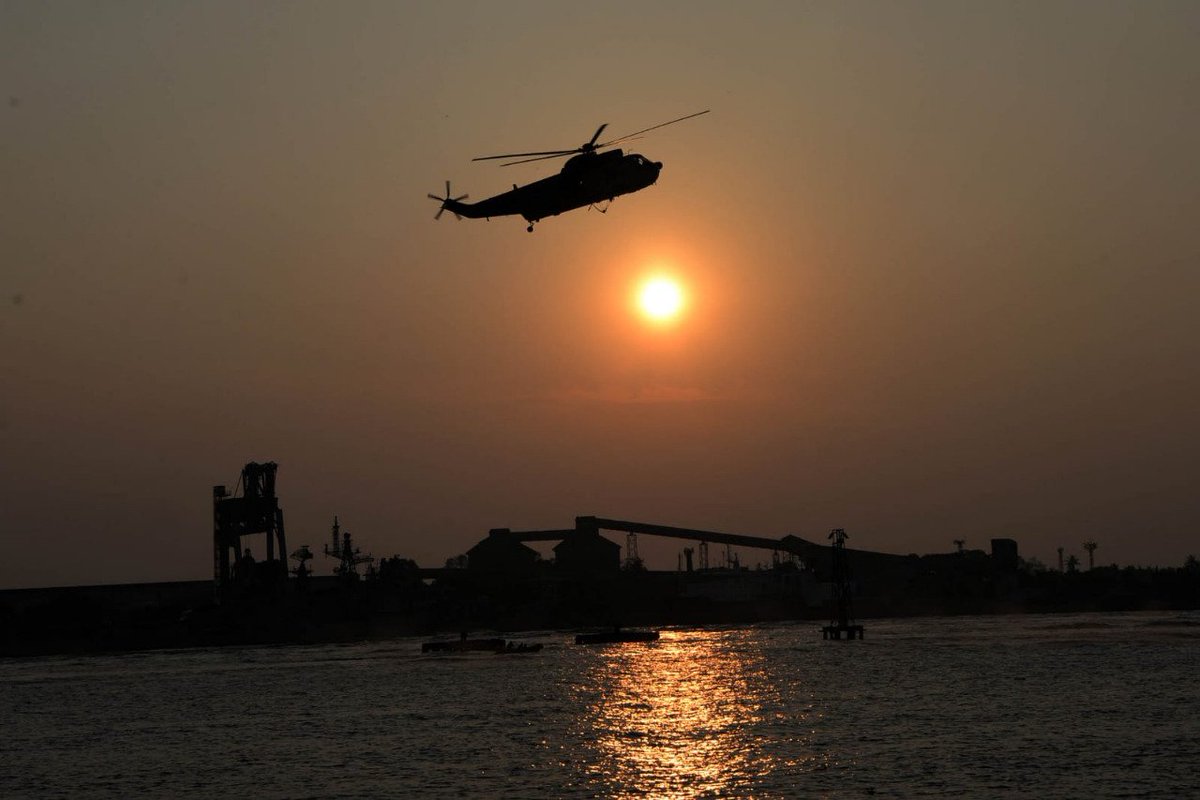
661	298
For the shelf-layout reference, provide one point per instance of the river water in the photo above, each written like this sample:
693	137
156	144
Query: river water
1085	705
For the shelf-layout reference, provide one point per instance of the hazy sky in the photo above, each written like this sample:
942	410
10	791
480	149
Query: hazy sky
942	263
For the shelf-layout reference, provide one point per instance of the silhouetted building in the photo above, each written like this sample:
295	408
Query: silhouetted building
587	551
501	552
1004	554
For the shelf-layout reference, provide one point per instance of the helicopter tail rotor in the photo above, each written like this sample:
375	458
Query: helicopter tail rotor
446	201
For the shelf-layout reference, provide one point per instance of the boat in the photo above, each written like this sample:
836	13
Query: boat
519	647
464	645
616	635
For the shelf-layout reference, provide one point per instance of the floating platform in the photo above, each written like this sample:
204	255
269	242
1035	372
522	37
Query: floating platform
612	637
837	631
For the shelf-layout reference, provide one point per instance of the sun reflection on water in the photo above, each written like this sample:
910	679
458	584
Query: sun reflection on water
695	714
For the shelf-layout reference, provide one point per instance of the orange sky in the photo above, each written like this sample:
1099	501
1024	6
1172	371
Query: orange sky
940	259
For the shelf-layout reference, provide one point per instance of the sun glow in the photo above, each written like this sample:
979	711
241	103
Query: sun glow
685	717
661	298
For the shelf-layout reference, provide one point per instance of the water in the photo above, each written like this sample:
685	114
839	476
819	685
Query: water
1028	706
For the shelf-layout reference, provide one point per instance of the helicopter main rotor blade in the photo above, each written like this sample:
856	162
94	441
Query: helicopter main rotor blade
629	136
588	147
547	153
591	145
536	155
540	158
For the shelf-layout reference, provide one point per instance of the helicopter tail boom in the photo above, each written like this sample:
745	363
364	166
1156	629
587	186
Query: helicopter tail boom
460	209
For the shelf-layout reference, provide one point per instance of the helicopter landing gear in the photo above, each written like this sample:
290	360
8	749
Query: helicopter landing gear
530	228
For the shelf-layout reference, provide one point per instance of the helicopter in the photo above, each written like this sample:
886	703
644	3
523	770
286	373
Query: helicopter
589	177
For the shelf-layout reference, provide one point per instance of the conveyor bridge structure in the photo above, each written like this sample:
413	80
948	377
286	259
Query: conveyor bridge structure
809	552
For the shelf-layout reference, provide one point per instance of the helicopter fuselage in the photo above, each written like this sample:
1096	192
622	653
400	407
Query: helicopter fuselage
584	180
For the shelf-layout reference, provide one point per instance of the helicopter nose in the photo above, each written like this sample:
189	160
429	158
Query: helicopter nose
658	165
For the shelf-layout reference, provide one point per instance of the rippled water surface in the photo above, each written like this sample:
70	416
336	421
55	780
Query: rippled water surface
1025	706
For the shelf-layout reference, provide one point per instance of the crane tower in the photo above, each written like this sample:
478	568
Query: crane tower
253	508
